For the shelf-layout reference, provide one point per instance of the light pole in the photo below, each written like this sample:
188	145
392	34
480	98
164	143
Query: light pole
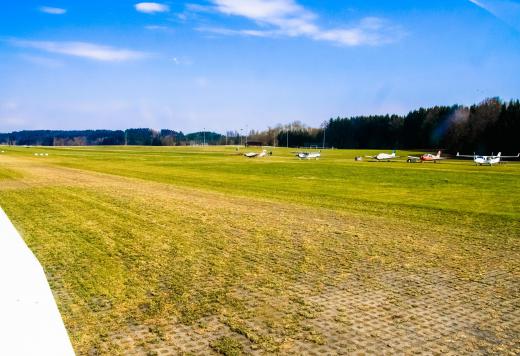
241	136
204	135
324	125
247	134
288	137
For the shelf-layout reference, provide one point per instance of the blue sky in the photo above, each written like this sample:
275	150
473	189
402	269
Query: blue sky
230	64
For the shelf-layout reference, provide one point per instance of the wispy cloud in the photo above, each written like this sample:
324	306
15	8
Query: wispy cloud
52	10
287	18
82	49
181	61
151	7
504	10
159	28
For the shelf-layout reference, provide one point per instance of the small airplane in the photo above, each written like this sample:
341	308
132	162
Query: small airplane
256	154
427	157
487	160
384	156
308	155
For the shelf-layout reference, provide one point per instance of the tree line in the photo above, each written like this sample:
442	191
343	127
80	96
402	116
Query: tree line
137	136
490	126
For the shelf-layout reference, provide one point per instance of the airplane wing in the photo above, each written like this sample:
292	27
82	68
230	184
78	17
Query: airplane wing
518	155
370	156
413	157
469	156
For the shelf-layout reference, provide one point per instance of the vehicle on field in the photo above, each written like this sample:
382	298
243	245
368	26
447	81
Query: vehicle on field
487	160
427	157
384	156
308	155
256	154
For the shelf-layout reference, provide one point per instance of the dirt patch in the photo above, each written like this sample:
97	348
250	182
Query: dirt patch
394	313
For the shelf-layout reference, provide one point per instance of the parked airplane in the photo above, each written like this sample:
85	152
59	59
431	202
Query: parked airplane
489	160
384	156
256	154
427	157
308	155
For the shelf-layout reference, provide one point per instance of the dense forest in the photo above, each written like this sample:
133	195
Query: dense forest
140	136
490	126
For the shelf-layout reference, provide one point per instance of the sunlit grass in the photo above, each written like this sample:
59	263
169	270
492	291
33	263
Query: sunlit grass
129	235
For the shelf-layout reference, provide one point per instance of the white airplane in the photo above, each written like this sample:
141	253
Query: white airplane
489	160
384	156
427	157
308	155
256	154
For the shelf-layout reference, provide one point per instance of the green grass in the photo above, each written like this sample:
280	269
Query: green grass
6	173
133	235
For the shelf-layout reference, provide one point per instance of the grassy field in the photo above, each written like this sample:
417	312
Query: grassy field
199	249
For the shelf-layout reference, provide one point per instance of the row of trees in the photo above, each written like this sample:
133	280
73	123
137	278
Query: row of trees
62	138
140	136
491	126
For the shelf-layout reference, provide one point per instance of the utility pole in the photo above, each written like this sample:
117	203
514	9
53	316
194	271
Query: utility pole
323	145
204	133
247	134
241	136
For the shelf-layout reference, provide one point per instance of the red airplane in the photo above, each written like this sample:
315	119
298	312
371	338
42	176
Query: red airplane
427	157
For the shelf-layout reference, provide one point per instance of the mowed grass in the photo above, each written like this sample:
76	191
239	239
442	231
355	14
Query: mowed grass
143	235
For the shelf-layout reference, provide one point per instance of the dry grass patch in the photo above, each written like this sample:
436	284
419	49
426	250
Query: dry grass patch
142	266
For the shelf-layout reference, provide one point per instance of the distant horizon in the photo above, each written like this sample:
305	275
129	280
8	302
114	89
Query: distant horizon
282	124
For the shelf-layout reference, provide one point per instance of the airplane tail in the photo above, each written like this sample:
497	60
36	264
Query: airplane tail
438	153
499	154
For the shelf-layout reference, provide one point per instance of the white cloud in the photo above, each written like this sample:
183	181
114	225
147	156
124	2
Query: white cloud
228	31
288	18
151	7
267	10
52	10
478	3
82	49
181	61
504	10
159	28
